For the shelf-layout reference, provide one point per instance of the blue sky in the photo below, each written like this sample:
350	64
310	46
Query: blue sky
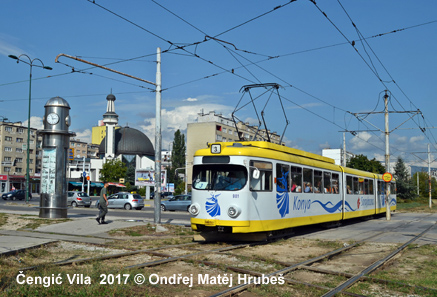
323	77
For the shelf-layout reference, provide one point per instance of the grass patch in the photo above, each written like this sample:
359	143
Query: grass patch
37	222
3	219
150	230
419	205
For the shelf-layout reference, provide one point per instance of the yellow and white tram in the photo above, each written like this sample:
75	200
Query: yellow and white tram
256	186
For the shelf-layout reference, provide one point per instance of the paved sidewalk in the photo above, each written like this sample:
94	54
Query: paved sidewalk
80	229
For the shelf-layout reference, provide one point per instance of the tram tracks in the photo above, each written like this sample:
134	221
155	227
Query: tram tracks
195	252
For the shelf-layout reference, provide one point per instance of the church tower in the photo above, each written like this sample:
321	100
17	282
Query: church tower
110	119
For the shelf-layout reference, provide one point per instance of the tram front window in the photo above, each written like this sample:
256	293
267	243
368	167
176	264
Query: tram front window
219	177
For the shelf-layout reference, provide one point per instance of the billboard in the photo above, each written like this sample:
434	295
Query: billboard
147	177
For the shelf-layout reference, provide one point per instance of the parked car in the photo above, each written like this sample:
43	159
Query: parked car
16	195
125	200
75	198
178	202
163	195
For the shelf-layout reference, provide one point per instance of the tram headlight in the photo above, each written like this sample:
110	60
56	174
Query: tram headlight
234	211
194	209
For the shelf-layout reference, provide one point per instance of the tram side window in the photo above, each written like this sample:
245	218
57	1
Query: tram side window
371	187
335	178
366	187
360	186
355	189
308	180
264	182
282	178
296	179
327	182
381	188
349	185
393	188
318	181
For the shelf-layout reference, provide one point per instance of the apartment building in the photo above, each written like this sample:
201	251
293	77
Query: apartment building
13	156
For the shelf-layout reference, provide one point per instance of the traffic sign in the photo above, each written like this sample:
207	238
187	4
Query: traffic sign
71	153
387	177
84	174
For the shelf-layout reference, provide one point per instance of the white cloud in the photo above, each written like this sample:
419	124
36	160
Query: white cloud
84	135
7	47
190	99
35	122
178	118
416	139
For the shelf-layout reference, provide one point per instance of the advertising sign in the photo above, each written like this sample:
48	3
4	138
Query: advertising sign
147	178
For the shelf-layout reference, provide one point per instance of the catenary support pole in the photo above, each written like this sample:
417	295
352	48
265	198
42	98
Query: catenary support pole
387	156
157	199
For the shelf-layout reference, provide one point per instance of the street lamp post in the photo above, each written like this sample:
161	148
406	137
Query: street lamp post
31	64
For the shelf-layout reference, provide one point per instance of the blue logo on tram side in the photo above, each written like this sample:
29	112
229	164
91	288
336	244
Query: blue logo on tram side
305	204
282	197
212	206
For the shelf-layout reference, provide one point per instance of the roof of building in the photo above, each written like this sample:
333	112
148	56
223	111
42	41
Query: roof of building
130	141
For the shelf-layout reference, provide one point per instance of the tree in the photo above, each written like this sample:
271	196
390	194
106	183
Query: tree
404	186
113	170
177	157
361	162
424	184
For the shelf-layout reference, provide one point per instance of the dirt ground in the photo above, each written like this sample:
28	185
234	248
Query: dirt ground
262	259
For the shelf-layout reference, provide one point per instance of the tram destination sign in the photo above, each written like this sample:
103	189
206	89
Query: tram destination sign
216	148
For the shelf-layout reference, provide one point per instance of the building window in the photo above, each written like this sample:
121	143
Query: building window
8	149
7	159
230	131
19	160
8	138
18	170
20	130
8	129
30	170
30	161
225	130
19	150
7	169
19	139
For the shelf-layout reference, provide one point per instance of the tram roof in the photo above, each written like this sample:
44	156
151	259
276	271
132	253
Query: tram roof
273	147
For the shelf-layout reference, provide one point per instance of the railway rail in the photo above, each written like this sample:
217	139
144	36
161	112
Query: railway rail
195	251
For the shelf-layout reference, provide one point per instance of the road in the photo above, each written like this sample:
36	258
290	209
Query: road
145	213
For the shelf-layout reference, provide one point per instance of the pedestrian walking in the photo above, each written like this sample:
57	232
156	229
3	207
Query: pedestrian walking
103	204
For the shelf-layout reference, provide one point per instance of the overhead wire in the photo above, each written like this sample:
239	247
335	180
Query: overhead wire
370	67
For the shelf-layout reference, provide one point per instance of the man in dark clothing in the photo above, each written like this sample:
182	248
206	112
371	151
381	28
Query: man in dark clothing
103	205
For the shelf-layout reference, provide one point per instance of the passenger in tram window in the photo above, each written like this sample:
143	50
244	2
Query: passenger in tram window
328	190
318	189
293	186
233	182
221	183
298	189
308	188
349	191
335	188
